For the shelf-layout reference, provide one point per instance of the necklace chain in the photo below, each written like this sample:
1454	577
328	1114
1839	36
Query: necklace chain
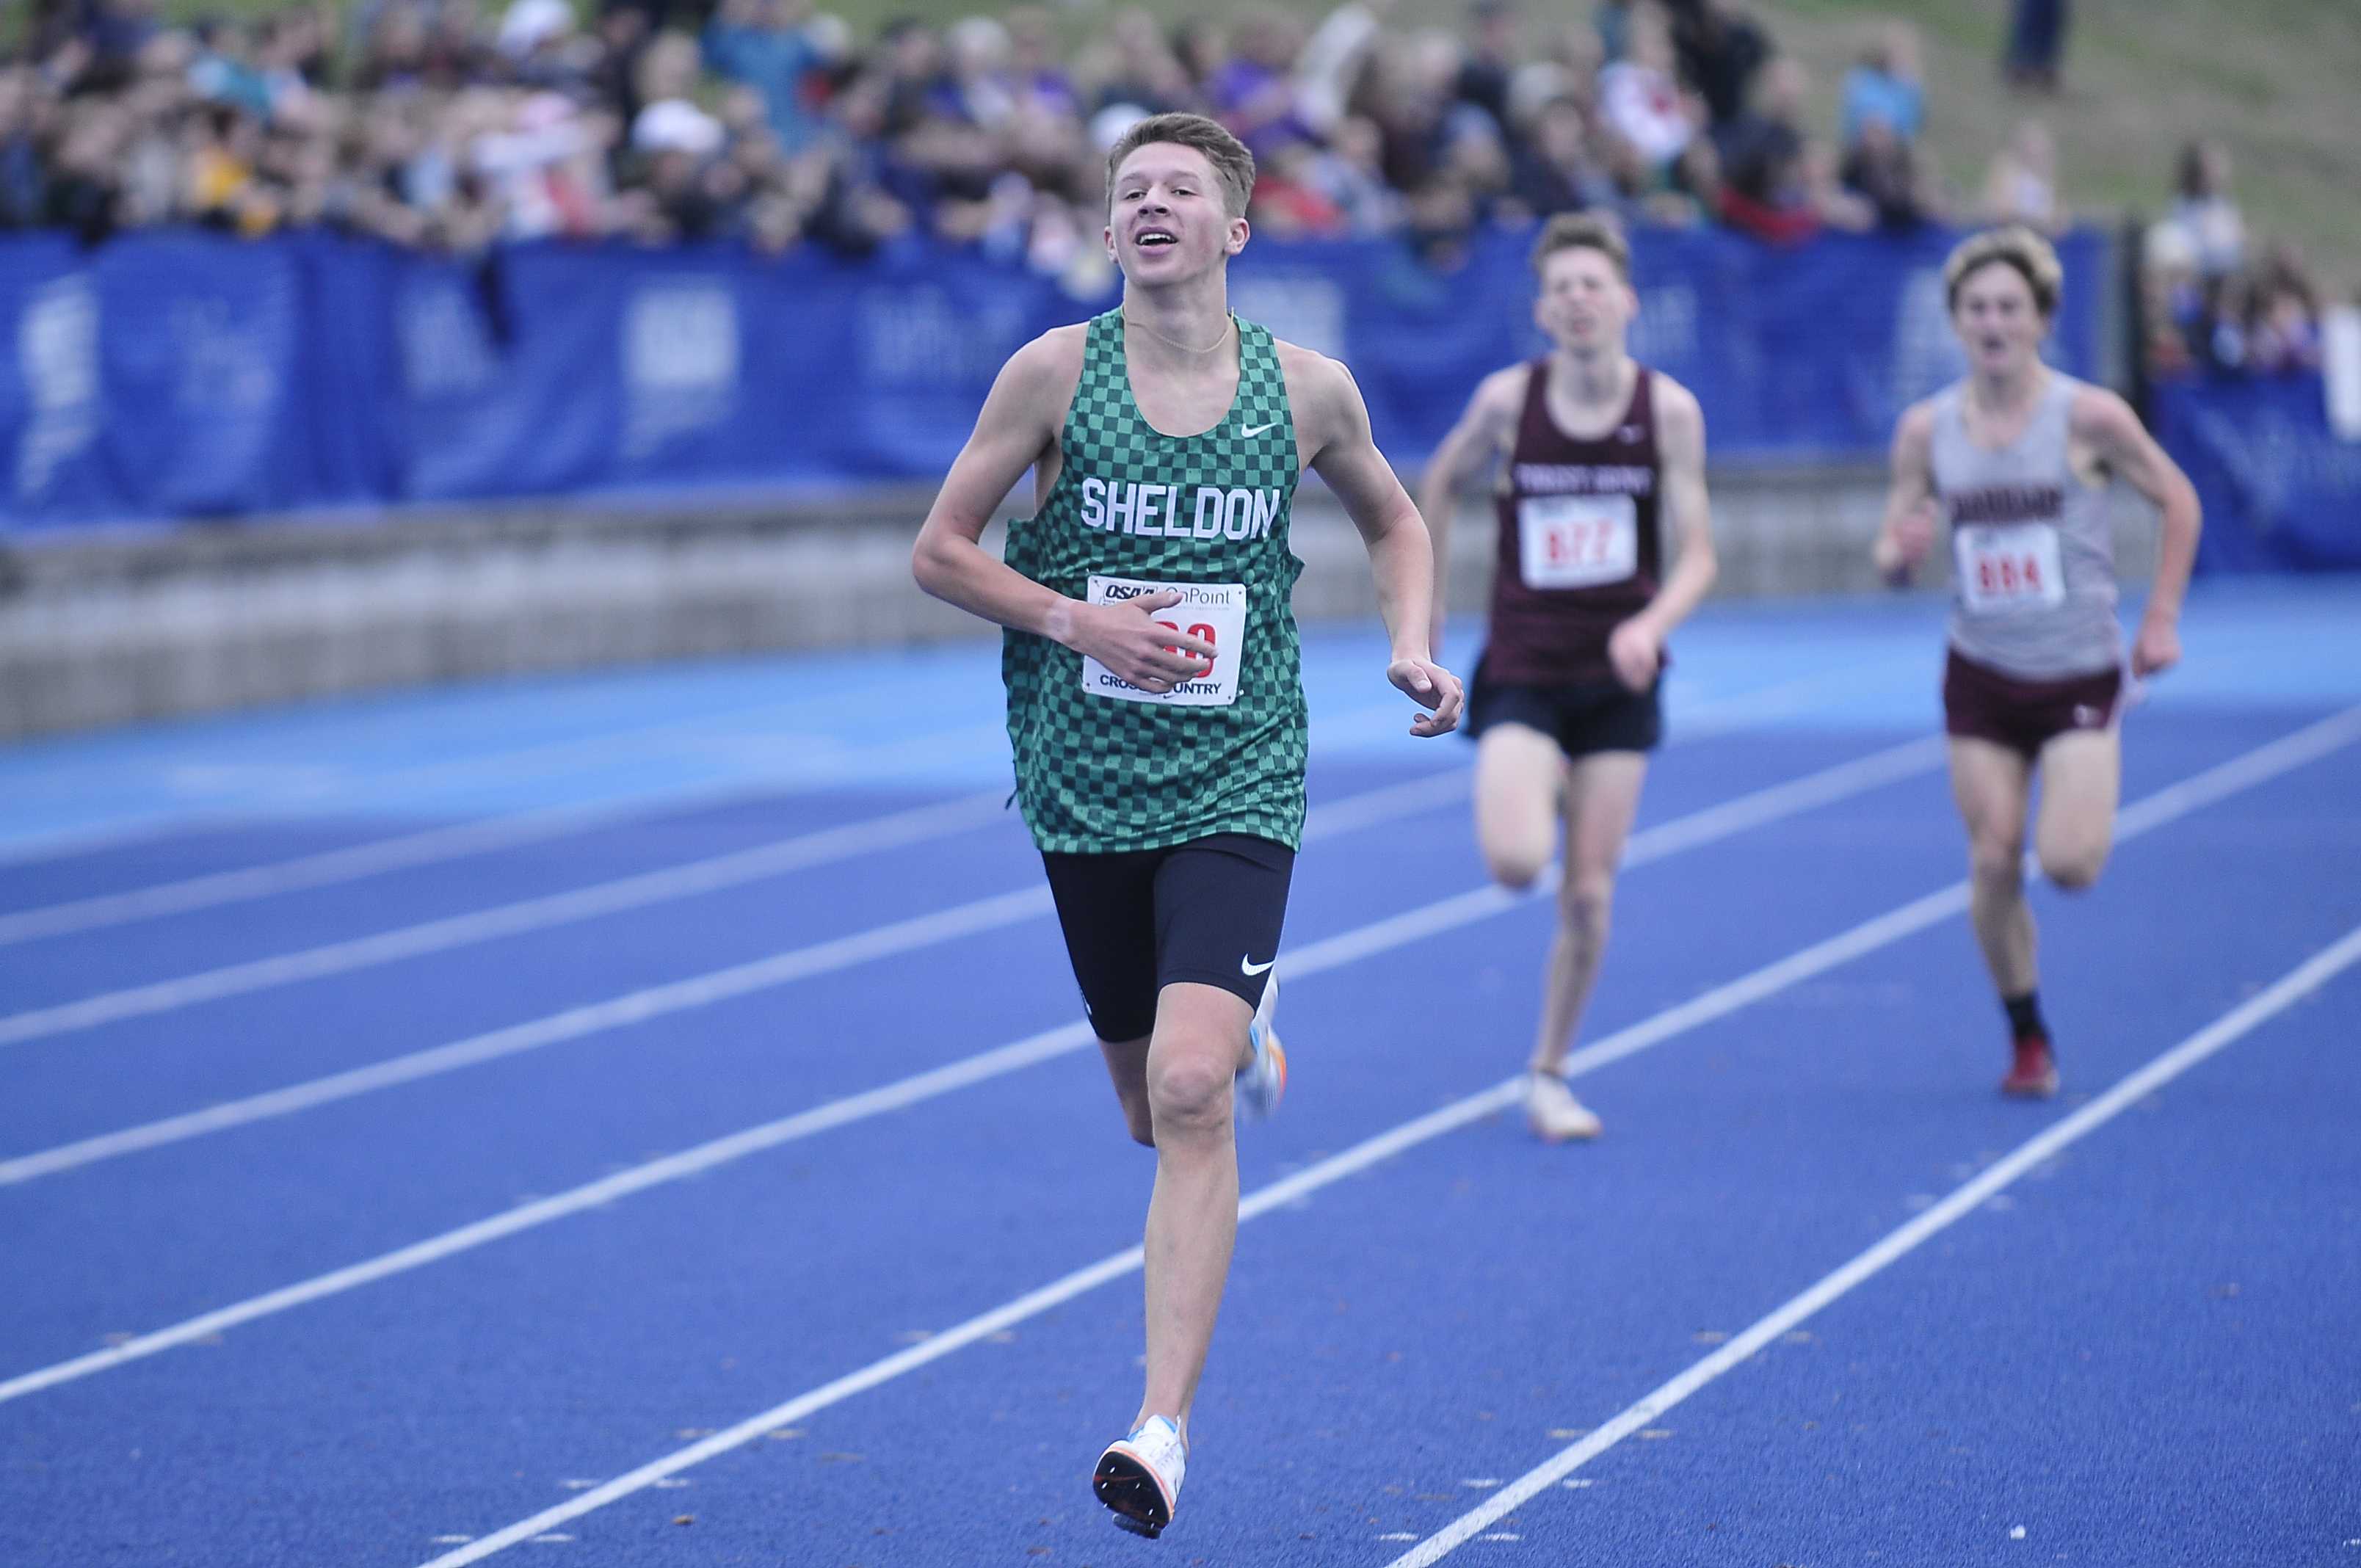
1186	348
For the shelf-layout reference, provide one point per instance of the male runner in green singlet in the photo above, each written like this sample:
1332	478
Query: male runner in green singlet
1155	698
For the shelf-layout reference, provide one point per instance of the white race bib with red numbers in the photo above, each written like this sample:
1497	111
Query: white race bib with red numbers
1578	542
2009	567
1211	612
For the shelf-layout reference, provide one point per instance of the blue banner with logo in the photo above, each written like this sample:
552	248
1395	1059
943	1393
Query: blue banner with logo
190	376
2281	493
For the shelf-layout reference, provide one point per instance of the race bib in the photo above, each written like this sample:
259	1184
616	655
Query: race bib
2009	567
1578	542
1211	612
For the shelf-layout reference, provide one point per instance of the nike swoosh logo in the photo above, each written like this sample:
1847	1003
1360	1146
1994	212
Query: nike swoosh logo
1250	432
1251	971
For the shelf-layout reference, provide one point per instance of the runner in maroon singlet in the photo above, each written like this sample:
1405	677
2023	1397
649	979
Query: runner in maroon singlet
1597	458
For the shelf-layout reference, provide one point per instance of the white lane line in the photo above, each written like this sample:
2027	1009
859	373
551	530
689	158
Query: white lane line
1713	716
2291	989
379	855
318	781
1332	954
902	937
2269	762
711	874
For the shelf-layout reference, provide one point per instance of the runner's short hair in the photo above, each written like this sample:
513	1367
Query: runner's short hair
1584	231
1234	166
2012	245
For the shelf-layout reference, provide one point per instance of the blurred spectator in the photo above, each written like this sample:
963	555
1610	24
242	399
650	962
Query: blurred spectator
1885	87
1720	51
1887	173
768	45
224	70
1352	175
2204	213
2036	39
1493	55
452	124
1253	91
1288	198
2283	332
1134	67
2021	187
1042	85
1640	98
1612	21
1557	171
547	166
1440	224
23	125
1766	184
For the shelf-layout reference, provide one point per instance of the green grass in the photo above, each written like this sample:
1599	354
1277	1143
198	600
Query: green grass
2278	81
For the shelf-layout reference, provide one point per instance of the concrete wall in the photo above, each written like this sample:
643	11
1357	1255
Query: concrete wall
198	620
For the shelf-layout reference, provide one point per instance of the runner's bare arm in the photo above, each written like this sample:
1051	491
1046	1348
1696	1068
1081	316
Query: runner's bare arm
1017	428
1333	429
1909	530
1636	647
1477	440
2106	425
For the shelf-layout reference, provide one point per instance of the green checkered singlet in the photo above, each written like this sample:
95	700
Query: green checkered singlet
1095	773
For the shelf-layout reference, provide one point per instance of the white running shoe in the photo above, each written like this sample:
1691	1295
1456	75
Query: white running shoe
1556	1114
1261	1084
1139	1476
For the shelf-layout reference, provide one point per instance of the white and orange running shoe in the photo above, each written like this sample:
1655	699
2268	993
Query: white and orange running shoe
1261	1084
1138	1477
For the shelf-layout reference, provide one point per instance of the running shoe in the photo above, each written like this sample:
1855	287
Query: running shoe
1556	1114
2034	1073
1138	1477
1262	1083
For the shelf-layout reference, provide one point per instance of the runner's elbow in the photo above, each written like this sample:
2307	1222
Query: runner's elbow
932	565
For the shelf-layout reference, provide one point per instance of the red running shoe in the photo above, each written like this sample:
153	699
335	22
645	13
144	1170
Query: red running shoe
2034	1075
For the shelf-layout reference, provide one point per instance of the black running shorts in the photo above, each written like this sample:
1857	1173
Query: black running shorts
1582	716
1985	704
1207	911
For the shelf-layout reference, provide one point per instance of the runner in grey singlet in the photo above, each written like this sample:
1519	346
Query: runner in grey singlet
2033	553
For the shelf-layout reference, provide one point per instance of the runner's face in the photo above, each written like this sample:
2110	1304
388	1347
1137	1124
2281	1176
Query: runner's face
1997	320
1166	220
1585	305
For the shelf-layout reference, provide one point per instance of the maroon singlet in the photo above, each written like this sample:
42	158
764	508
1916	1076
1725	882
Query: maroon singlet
1580	552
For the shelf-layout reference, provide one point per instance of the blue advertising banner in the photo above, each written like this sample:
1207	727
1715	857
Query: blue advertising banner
171	376
2281	493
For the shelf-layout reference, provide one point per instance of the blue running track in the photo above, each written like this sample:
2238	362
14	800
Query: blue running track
640	1119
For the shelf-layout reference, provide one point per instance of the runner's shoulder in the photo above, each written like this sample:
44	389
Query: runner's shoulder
1043	374
1321	395
1915	431
1675	407
1309	372
1501	394
2098	414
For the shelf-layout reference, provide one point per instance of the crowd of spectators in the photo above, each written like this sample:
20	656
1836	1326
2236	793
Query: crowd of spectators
2212	299
454	123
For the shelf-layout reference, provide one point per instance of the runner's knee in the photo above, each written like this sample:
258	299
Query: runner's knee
2074	863
1515	863
1997	857
1189	1089
1586	900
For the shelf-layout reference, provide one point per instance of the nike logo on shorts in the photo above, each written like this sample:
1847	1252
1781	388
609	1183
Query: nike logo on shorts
1250	431
1250	969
